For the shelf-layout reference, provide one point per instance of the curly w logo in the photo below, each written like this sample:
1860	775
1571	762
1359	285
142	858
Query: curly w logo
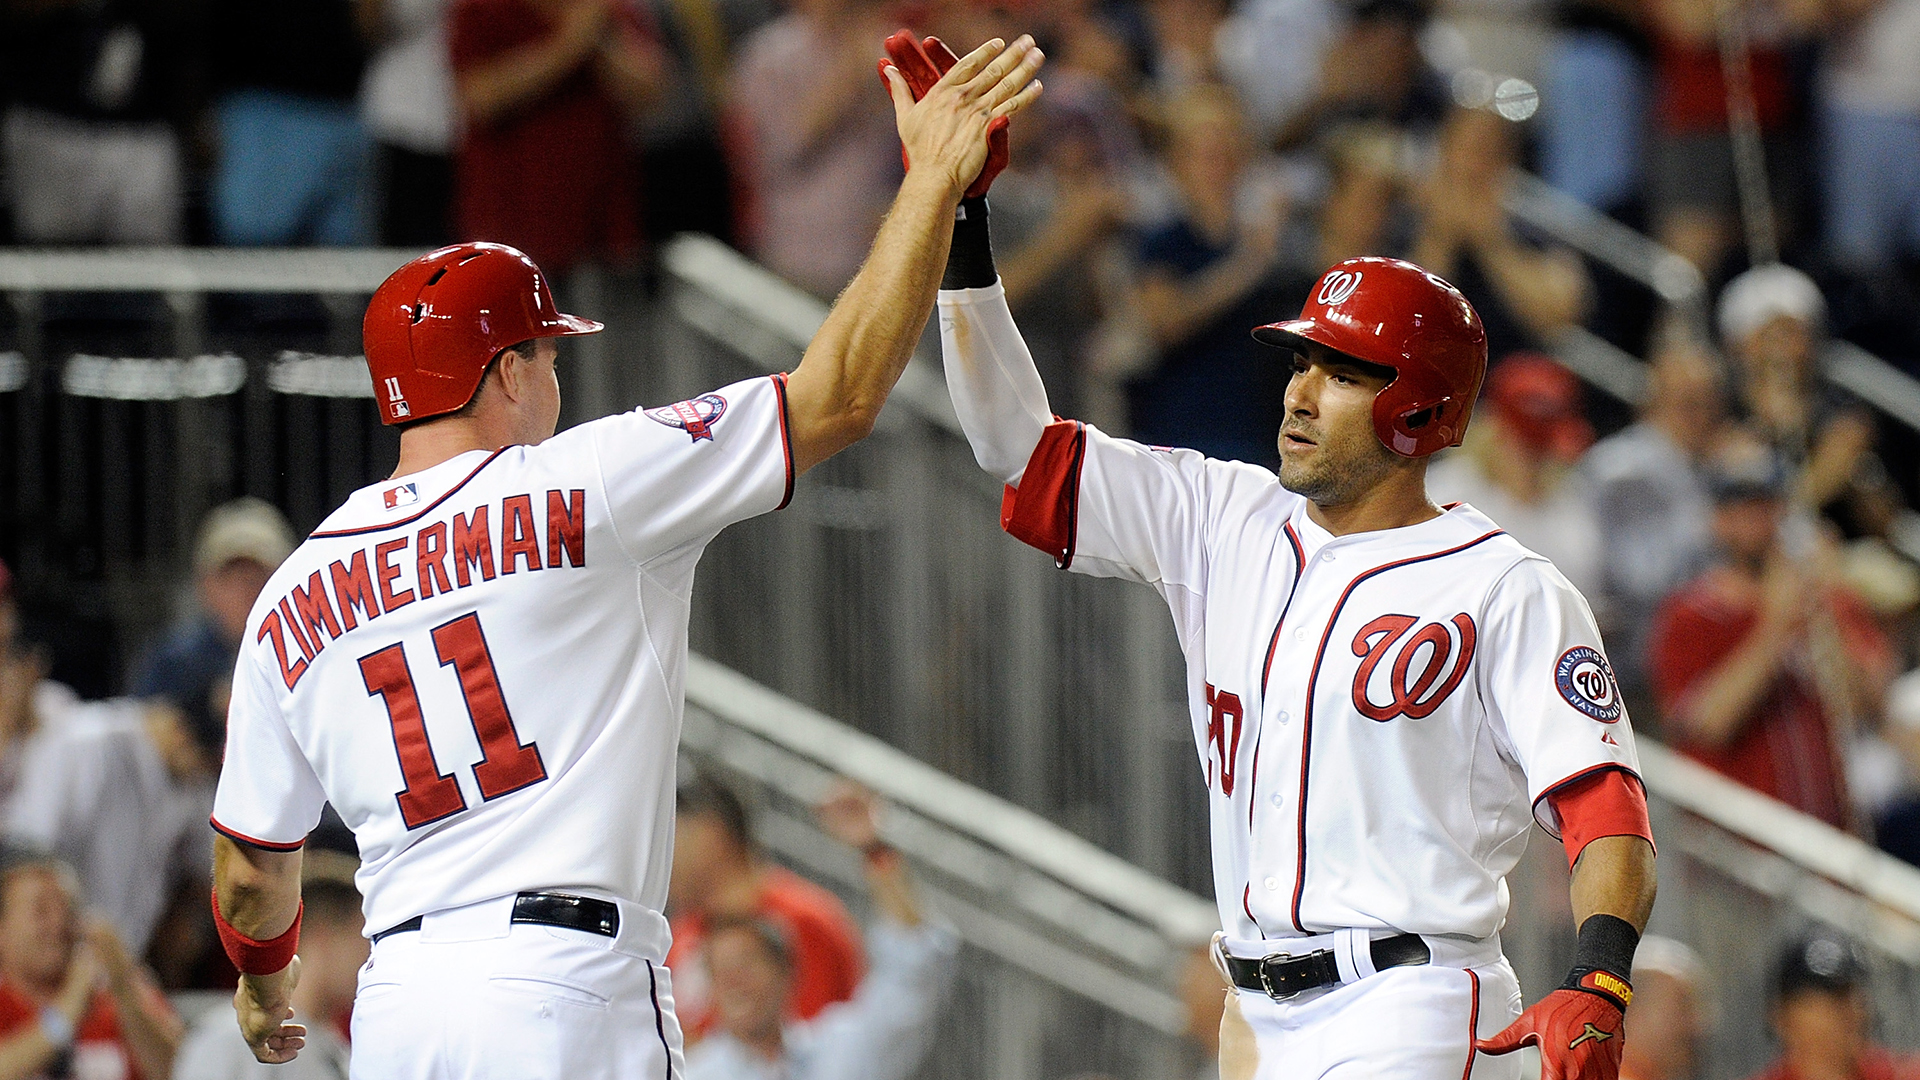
1412	695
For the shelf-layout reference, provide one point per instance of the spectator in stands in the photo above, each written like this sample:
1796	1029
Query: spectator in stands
1527	293
23	673
1772	323
1671	1020
1374	71
547	90
1203	990
1897	830
1869	93
98	93
1595	82
1823	1018
1204	278
813	143
240	545
882	1033
1694	199
720	876
406	101
1650	488
1517	465
1059	212
1762	664
293	158
70	991
1275	54
331	953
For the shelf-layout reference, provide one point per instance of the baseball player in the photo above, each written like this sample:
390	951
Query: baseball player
479	661
1384	693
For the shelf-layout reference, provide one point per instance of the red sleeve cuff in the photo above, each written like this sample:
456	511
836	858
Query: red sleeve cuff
1608	802
1043	512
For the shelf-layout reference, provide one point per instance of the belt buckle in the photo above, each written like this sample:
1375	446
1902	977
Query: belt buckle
1266	981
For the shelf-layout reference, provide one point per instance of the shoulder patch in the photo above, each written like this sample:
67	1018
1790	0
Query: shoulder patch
695	416
1585	680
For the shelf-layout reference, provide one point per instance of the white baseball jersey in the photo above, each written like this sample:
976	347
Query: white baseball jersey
481	665
1376	714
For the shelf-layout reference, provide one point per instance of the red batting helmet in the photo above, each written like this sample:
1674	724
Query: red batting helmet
436	323
1392	313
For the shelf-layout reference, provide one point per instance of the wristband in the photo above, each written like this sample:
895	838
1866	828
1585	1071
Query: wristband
253	957
56	1027
970	259
1603	964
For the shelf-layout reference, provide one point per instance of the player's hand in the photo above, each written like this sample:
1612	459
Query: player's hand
264	1006
922	62
1578	1033
951	127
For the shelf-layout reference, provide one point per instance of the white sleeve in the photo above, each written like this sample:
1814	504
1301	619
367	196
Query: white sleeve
268	795
996	388
1547	685
680	473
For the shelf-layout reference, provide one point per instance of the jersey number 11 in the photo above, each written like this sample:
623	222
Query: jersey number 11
506	765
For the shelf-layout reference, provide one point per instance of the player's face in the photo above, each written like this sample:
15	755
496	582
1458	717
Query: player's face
1328	451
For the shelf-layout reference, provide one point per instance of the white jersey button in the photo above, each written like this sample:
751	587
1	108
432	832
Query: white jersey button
1326	556
1283	717
1300	633
1278	801
1273	884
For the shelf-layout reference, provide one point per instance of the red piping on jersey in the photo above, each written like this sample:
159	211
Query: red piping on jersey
263	845
786	436
1299	568
1473	1026
424	511
1306	723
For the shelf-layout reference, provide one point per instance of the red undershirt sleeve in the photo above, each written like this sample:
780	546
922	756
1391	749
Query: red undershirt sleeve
1612	802
1042	511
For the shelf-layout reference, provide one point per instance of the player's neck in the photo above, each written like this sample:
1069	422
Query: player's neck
444	439
1396	502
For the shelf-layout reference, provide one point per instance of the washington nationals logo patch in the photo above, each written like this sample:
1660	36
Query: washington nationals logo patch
1337	286
1442	656
696	417
1585	680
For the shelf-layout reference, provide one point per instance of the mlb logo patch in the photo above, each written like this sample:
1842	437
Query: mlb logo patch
404	495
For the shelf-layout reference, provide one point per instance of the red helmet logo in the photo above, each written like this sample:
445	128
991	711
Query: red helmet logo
1337	286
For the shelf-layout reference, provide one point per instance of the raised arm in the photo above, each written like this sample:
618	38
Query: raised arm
257	897
835	395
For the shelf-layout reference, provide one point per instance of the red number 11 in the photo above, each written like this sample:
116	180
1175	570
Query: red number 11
506	765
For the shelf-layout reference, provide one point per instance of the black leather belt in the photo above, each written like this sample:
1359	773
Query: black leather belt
547	909
1284	976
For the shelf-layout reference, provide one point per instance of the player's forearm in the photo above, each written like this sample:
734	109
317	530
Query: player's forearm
991	376
835	395
1614	876
259	891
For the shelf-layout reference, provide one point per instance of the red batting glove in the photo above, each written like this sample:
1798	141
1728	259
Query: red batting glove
1577	1031
922	63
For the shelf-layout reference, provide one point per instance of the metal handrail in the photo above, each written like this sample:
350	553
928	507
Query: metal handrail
906	781
198	270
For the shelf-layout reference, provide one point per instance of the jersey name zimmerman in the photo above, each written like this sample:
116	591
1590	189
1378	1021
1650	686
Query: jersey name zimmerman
451	552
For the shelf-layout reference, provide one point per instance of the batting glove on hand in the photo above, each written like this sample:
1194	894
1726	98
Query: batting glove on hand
1577	1029
921	63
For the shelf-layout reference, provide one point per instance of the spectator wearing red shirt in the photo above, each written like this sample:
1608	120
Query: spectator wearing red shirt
73	1002
720	876
546	89
1759	664
1823	1017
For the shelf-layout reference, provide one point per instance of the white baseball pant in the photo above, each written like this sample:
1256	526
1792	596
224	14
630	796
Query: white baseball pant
1405	1023
472	995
